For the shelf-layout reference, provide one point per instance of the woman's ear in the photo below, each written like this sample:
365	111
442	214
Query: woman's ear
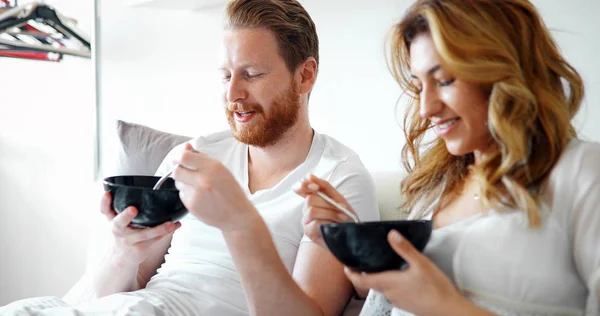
307	75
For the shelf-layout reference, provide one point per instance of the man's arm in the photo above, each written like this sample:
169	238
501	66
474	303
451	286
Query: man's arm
134	256
115	275
322	277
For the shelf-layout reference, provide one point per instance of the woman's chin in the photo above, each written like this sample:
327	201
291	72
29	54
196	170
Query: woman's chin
456	149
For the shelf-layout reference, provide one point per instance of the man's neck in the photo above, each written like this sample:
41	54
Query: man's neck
267	166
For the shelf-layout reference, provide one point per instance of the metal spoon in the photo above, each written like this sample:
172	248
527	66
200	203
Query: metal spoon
338	206
163	179
168	174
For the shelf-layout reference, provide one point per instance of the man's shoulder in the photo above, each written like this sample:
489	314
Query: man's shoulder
219	139
340	158
336	150
214	145
347	173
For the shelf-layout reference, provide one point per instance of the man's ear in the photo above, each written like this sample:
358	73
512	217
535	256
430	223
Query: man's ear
307	75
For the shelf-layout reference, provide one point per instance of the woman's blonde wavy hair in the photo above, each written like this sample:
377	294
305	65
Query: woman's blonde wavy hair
534	93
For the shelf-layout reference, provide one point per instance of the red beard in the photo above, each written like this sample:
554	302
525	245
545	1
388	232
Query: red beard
265	129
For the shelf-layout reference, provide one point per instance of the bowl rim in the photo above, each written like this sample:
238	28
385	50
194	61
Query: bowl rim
332	247
377	223
112	184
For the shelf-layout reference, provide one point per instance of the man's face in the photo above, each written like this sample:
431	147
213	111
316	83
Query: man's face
260	96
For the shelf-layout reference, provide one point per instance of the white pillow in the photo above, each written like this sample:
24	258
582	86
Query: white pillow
142	149
387	187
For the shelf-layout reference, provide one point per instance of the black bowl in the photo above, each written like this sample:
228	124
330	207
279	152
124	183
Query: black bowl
154	206
364	246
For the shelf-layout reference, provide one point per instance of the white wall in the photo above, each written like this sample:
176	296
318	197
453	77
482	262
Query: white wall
46	168
159	69
575	26
164	74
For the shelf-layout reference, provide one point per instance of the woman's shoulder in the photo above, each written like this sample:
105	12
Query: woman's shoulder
576	144
575	174
579	156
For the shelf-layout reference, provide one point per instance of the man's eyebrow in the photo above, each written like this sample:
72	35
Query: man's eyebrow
430	71
248	64
243	65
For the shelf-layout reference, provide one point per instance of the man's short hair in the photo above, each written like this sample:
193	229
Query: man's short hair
288	20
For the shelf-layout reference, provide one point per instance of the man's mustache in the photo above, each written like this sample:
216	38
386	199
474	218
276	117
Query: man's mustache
241	107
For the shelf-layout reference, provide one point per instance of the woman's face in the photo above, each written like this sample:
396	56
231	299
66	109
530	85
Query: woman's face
458	109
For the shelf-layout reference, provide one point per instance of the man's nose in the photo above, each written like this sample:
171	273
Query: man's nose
236	90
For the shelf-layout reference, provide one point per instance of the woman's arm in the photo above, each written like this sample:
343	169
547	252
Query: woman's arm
422	288
350	186
268	285
581	178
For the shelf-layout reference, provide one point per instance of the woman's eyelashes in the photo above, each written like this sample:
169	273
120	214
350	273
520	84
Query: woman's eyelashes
440	83
446	83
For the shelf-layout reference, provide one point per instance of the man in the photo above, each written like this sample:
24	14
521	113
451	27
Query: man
242	248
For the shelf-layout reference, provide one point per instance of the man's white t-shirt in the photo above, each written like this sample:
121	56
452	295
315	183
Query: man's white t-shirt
198	265
199	276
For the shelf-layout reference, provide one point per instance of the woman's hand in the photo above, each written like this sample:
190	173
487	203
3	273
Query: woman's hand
318	211
211	193
422	288
131	245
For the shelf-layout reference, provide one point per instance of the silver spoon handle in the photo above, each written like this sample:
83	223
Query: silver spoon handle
338	206
163	179
168	174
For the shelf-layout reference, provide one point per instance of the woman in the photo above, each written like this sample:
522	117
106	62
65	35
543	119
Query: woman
514	195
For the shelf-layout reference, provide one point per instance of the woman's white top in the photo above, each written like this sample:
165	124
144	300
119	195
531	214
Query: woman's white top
499	263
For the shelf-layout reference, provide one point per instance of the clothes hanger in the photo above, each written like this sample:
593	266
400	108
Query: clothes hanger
45	56
33	20
7	3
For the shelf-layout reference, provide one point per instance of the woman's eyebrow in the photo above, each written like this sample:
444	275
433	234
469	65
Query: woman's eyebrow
429	72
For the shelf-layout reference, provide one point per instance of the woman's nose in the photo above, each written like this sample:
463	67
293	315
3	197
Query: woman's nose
429	103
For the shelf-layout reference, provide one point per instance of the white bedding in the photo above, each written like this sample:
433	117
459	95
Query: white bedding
110	305
143	302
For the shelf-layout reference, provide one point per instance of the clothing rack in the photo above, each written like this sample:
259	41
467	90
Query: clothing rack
38	31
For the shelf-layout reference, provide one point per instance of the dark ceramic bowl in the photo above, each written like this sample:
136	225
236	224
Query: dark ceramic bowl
154	206
364	246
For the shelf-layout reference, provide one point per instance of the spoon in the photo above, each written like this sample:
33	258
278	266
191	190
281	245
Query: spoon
163	179
168	174
319	193
338	206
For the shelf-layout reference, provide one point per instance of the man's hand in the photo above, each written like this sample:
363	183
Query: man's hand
131	245
211	193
